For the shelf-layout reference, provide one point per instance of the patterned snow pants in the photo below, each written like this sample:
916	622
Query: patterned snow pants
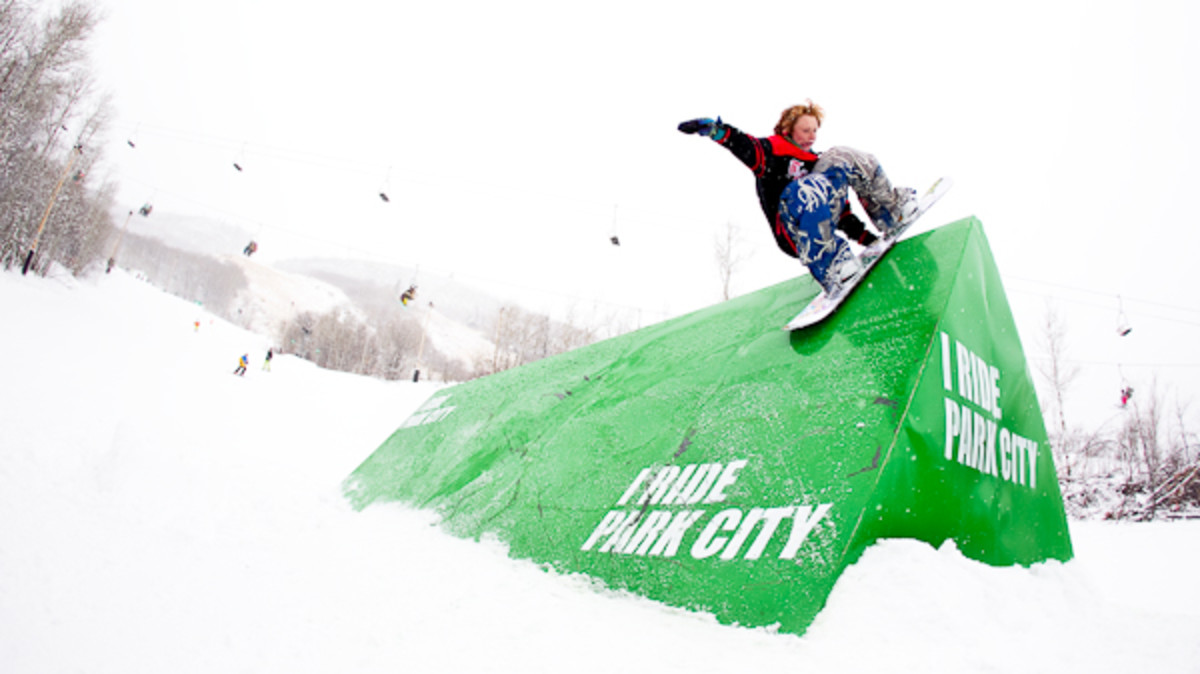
812	205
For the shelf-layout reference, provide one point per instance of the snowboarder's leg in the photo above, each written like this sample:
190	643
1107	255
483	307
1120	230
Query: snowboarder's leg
861	171
805	210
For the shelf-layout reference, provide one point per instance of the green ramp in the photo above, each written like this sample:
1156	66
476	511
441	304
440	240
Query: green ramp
718	463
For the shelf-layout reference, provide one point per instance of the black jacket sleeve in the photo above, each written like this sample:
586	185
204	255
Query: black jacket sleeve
748	149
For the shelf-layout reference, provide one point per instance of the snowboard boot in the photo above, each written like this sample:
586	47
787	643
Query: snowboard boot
910	207
842	269
893	222
849	268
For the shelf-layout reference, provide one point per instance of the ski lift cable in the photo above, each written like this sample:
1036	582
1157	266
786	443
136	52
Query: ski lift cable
374	254
655	217
644	217
248	148
1109	363
242	150
1106	308
1089	291
259	225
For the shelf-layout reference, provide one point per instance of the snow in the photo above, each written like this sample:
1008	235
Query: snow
273	297
455	339
159	514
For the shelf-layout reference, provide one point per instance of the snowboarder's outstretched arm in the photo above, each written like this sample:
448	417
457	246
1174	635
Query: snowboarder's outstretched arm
745	147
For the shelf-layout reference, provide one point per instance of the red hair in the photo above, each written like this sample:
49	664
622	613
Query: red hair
787	120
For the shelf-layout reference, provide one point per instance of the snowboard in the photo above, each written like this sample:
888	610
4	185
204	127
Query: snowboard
824	304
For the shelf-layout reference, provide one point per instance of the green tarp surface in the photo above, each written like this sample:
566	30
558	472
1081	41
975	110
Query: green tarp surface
718	463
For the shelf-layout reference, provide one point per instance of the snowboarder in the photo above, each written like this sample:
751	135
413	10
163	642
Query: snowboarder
267	362
803	194
242	363
250	249
146	209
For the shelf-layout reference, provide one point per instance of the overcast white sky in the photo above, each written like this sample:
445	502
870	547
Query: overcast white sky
514	138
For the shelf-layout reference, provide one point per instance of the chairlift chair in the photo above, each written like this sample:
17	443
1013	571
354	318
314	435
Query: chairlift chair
383	187
1123	325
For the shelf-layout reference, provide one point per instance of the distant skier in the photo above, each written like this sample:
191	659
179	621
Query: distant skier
145	210
803	194
250	249
267	362
242	363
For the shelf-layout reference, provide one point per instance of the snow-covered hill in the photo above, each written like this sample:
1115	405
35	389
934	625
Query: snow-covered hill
274	297
192	233
455	315
461	301
160	514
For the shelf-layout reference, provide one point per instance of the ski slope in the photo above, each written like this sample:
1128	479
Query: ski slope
159	514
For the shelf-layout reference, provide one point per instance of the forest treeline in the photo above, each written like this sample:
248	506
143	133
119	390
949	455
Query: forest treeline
52	124
1142	464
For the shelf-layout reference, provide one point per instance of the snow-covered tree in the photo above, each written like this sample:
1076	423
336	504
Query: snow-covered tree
50	123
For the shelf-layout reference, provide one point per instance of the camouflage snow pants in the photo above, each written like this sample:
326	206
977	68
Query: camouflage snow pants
812	205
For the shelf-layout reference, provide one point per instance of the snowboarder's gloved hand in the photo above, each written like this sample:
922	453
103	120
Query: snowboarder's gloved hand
701	126
704	126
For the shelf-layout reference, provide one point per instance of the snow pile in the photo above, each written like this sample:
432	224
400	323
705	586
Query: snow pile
158	513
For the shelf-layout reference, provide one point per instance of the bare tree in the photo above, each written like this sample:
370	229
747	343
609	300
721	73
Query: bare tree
522	337
337	340
1056	370
1140	470
1186	440
570	334
728	256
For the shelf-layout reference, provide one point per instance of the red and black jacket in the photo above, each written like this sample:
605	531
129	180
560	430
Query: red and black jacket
776	161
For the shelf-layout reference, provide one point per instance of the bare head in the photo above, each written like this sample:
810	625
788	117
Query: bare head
799	124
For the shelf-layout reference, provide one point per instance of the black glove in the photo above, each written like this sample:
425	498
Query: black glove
704	126
701	126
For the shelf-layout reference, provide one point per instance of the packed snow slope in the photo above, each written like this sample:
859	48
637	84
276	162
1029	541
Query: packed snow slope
160	514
